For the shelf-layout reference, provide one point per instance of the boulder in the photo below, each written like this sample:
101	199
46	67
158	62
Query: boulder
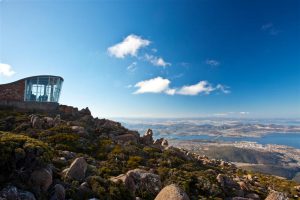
41	179
243	185
79	130
48	122
140	180
12	193
36	122
172	192
274	195
85	111
145	181
226	181
9	193
148	137
59	192
67	154
127	180
77	169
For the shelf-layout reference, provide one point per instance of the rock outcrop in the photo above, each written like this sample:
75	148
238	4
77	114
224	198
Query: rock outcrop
41	179
274	195
147	137
77	169
172	192
139	180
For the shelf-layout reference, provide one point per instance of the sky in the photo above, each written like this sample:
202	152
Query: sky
205	58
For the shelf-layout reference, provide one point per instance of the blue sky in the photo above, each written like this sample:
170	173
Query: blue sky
159	58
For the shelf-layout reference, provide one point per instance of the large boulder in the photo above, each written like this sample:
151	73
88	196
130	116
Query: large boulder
226	181
147	137
77	169
140	181
79	130
36	122
41	179
48	122
274	195
172	192
59	192
161	143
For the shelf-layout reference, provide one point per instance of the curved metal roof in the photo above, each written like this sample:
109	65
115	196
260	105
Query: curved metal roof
42	76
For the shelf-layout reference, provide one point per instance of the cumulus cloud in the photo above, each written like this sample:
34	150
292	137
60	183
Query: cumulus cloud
157	61
213	63
129	46
6	70
200	87
161	85
155	85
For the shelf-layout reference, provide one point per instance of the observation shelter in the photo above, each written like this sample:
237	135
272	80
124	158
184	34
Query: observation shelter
36	92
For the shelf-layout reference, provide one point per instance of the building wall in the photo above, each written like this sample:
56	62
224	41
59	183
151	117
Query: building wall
29	106
12	91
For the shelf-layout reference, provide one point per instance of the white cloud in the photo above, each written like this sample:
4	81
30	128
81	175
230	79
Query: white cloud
129	46
6	70
201	87
170	91
212	62
155	85
223	88
132	67
161	85
157	61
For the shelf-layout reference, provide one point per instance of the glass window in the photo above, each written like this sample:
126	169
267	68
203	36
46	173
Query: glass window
43	88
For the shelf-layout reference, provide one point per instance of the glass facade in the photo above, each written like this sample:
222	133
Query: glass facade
43	88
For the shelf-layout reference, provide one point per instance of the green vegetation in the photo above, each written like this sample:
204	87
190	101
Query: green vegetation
24	149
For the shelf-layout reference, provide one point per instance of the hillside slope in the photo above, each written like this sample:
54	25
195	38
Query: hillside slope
68	154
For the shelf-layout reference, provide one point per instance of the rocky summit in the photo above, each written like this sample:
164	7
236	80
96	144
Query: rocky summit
69	154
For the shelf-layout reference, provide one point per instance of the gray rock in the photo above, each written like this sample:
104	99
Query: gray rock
9	193
12	193
79	130
48	122
172	192
226	181
41	179
148	137
25	195
59	192
77	169
140	180
274	195
36	122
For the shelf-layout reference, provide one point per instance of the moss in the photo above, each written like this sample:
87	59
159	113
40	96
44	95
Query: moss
134	161
19	151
